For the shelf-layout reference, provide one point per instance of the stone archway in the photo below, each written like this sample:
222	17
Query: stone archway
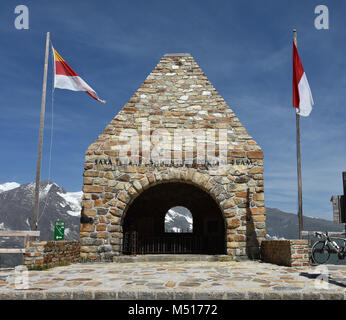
143	222
176	128
104	212
145	178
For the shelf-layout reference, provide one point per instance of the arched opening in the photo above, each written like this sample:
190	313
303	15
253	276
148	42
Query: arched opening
144	222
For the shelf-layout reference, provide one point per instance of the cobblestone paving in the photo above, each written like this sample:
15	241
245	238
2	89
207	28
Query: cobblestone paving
179	280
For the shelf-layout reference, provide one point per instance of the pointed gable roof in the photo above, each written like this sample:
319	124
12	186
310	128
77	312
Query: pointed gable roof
177	94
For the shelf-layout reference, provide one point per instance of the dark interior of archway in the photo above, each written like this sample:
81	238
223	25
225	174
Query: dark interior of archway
144	227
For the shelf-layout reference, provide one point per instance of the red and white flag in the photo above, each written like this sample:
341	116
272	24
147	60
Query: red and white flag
302	97
66	78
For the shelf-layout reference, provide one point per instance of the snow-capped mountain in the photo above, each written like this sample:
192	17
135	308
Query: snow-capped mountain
8	186
17	203
178	219
17	211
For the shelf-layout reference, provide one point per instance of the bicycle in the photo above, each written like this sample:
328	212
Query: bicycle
321	250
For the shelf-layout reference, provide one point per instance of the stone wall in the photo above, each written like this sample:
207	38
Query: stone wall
291	253
47	254
175	96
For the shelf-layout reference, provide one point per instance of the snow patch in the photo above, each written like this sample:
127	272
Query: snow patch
74	200
44	192
269	237
168	218
8	186
172	216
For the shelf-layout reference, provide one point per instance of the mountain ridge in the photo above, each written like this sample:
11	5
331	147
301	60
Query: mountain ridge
16	213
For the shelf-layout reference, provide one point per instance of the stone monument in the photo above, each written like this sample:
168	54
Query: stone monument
175	142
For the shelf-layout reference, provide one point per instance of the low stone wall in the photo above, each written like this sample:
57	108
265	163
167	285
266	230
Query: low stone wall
291	253
48	254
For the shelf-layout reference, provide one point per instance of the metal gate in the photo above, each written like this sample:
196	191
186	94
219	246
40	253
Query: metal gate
130	242
177	244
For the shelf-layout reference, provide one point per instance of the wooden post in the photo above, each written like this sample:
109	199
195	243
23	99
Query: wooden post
26	240
39	155
299	167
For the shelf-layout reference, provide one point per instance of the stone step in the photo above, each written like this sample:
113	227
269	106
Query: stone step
170	257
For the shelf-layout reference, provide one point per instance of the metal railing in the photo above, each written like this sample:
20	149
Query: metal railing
174	245
180	243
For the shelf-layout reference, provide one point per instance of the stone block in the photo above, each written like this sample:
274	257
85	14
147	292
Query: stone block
123	196
137	185
86	227
89	212
102	211
255	154
127	295
88	180
101	227
258	196
232	223
115	212
235	295
253	295
214	295
256	211
256	170
115	220
102	234
229	203
92	189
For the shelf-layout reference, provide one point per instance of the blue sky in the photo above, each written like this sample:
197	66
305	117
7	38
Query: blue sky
244	48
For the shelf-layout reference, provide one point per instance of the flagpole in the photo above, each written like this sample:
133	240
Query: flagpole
39	155
299	168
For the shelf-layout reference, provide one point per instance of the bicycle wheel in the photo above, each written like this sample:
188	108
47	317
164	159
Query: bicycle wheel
320	252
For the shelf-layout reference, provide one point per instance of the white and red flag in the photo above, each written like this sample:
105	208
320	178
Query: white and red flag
302	97
66	78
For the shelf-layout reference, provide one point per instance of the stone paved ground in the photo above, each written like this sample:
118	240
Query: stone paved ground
178	280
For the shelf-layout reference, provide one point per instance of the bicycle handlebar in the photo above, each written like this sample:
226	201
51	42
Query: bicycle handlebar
318	234
321	235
